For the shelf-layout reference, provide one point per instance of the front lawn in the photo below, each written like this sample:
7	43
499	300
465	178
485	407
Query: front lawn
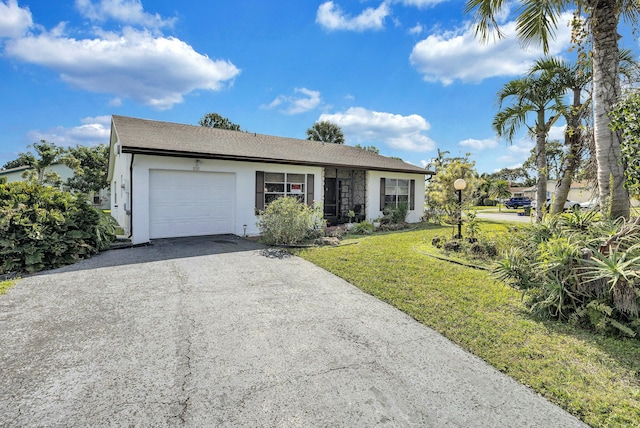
596	378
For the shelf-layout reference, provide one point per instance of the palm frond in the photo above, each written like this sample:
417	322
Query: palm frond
538	21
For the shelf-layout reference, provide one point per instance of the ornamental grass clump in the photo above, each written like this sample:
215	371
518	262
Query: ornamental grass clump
580	268
286	221
43	227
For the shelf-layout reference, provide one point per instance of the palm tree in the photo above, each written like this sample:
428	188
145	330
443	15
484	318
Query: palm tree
574	78
537	21
532	95
326	132
500	190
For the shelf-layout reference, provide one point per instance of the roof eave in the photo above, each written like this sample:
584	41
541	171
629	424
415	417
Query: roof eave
157	152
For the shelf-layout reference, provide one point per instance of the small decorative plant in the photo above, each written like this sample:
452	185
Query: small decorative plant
351	214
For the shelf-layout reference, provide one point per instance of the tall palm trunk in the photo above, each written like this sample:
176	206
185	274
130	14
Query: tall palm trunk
573	140
541	164
606	91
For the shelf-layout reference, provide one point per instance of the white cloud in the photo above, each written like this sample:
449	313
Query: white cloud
92	131
479	144
417	29
419	3
156	71
296	104
14	20
556	133
126	11
394	130
332	17
458	55
518	151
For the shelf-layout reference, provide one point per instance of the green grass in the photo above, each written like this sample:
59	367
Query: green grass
596	378
5	285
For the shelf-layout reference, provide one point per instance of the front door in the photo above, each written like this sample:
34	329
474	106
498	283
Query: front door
330	200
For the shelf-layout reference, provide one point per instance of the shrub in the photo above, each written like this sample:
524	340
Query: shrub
488	202
453	245
579	268
395	215
43	227
438	241
363	228
288	222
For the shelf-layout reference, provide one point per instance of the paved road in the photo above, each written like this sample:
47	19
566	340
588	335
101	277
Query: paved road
218	331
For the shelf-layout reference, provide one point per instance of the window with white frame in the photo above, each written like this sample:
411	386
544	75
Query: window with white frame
396	192
278	184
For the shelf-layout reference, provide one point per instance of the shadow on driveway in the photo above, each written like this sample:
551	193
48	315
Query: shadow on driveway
165	249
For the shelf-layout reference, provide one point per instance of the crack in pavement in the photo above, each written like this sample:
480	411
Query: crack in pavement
185	327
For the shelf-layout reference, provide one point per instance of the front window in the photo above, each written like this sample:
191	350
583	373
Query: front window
278	184
396	192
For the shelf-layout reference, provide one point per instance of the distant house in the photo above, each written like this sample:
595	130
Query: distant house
581	191
172	180
100	200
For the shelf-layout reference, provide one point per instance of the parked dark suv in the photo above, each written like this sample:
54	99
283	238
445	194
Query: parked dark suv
518	202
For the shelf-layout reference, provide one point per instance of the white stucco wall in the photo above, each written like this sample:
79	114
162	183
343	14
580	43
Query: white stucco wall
62	170
121	191
245	179
373	190
130	195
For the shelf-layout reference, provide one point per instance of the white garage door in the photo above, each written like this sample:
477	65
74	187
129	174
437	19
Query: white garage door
186	203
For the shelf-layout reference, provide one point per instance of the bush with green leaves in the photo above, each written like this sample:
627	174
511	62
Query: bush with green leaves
395	215
580	268
624	120
363	228
42	227
286	221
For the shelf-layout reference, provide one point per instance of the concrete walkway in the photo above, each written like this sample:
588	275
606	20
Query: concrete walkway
218	331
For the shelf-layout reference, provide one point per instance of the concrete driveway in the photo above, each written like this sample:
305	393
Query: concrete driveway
219	331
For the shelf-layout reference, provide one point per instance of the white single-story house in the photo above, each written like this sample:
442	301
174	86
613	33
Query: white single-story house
580	191
100	200
173	180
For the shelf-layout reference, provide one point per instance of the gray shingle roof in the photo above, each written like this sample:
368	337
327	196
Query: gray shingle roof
164	138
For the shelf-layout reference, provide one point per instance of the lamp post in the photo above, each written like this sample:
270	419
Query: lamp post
459	185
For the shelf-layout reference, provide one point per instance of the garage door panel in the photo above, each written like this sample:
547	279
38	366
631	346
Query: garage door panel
189	203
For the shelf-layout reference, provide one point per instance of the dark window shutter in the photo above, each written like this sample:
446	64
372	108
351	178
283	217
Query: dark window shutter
259	190
382	194
310	187
412	195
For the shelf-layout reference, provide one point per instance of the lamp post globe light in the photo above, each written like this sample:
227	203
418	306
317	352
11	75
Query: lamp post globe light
459	185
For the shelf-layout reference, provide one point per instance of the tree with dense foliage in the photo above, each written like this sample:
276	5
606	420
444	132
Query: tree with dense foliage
440	193
537	21
530	97
372	149
91	172
325	132
625	119
47	154
555	158
214	120
515	176
23	159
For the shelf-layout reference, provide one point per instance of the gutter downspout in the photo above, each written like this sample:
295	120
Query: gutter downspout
129	212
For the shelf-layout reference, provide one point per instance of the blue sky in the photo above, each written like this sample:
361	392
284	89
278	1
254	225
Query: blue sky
404	75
